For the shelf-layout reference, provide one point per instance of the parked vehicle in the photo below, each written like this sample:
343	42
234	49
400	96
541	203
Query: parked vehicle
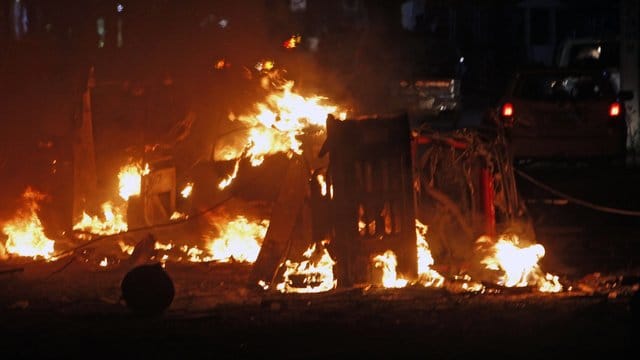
429	87
602	53
563	113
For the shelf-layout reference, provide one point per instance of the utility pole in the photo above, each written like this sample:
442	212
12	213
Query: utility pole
84	165
629	76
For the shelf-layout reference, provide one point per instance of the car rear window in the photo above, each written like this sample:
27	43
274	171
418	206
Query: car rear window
549	87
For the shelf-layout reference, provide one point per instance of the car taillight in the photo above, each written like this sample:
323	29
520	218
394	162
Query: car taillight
507	110
615	109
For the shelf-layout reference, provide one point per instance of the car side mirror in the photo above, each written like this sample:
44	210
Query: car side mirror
625	95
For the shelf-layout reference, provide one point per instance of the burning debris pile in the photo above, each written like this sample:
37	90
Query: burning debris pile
331	212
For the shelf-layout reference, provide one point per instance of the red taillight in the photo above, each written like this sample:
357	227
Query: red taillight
507	110
614	109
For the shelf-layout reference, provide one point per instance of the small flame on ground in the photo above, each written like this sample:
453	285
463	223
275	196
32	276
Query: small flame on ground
25	232
104	262
194	253
125	248
161	246
177	216
388	263
426	275
112	221
317	275
519	264
238	240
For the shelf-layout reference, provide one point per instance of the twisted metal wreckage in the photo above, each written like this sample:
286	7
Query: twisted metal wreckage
383	177
372	177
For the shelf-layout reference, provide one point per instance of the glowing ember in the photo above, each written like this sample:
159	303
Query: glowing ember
25	233
112	221
292	42
104	262
161	246
221	64
239	240
130	177
519	265
264	66
177	216
186	192
323	185
317	276
127	249
388	263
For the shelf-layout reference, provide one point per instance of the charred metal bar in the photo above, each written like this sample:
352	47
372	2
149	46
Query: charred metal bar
488	195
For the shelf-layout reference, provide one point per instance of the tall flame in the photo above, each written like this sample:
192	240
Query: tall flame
426	275
130	177
519	265
25	232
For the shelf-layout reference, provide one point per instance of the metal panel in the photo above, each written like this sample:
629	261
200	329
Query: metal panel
372	207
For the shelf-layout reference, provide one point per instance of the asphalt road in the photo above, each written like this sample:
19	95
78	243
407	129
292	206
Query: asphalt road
586	214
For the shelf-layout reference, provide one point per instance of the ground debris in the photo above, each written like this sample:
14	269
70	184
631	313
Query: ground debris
612	285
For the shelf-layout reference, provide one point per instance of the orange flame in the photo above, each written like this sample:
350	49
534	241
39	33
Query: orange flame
323	184
125	248
426	276
229	178
221	64
130	177
176	215
239	240
519	265
388	263
25	232
292	42
187	190
275	125
112	221
316	276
